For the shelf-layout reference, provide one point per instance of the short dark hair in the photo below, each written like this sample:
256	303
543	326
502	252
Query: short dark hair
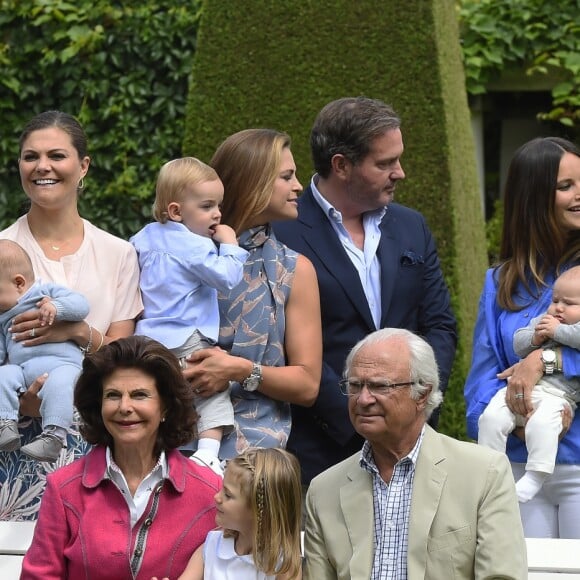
348	127
63	121
152	358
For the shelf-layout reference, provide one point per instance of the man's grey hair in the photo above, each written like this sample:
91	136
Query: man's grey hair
423	369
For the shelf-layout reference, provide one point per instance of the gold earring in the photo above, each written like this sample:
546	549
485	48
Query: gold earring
81	184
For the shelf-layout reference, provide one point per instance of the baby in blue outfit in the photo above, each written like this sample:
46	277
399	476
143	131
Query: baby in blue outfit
186	257
19	292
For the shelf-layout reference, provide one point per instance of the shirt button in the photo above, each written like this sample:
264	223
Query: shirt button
138	552
147	522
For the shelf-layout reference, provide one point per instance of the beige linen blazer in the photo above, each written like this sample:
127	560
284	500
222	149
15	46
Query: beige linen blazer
464	521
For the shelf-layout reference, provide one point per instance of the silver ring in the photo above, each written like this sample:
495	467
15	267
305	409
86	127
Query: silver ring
196	391
32	333
519	396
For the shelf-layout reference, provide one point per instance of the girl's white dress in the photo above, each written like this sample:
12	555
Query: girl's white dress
222	563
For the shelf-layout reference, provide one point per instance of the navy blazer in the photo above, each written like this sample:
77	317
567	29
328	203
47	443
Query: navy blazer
413	296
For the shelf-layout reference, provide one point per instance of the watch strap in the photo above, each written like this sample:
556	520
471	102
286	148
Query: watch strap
550	360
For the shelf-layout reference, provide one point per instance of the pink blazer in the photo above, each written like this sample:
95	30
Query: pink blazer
84	529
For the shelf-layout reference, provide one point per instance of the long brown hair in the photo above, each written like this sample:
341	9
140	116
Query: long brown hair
533	242
247	162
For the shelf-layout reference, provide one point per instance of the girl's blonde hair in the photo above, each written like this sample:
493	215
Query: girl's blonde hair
270	482
248	162
174	178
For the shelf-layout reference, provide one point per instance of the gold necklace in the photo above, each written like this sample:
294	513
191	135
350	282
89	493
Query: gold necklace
59	247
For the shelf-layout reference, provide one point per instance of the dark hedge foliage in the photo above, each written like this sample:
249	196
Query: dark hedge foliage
275	64
123	69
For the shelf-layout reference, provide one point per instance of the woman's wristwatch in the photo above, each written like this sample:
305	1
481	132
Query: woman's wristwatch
550	360
253	381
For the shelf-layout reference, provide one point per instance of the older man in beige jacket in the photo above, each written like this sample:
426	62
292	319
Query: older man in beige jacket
413	504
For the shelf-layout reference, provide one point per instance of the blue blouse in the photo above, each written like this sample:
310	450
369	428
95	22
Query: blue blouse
493	353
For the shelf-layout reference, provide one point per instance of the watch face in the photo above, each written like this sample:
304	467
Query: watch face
549	356
253	381
251	384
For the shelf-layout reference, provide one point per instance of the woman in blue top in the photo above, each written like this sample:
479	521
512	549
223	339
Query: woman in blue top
540	239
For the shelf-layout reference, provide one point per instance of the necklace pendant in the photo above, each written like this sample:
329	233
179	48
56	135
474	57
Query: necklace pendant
55	248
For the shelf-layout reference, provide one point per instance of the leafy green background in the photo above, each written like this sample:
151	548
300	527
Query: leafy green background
540	37
123	69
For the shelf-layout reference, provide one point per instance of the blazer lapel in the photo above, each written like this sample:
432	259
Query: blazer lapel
319	234
430	476
388	253
356	501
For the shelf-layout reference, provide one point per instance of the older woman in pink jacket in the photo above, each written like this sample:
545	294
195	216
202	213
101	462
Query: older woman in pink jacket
134	507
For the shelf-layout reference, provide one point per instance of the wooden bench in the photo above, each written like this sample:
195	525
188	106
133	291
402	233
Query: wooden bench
15	539
551	559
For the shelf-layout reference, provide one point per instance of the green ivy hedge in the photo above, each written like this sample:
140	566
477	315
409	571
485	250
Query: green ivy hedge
123	69
275	64
534	35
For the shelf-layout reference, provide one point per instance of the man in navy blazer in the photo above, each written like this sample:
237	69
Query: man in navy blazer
376	263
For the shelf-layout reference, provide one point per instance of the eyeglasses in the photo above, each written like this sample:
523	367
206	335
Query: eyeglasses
354	388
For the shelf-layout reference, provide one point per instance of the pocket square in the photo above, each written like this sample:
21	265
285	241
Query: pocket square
409	258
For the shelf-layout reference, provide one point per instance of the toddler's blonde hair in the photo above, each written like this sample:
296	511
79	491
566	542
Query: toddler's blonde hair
174	178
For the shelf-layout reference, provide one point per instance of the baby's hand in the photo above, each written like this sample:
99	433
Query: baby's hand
547	326
46	311
538	339
225	235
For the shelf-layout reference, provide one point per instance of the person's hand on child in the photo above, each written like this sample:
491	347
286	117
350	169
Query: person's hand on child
27	328
521	378
208	370
46	311
29	401
566	421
